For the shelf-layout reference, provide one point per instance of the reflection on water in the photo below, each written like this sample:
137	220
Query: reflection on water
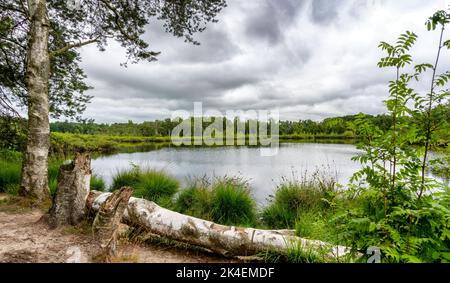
263	173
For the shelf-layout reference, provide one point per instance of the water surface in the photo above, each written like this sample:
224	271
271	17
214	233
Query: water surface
263	173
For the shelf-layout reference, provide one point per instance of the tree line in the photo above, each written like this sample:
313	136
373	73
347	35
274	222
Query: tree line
337	125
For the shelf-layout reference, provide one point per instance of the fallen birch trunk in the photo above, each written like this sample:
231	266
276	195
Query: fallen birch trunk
225	240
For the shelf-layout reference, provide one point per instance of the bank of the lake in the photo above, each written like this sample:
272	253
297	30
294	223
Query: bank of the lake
68	143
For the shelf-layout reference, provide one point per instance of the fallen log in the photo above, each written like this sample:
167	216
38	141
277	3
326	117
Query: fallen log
106	223
225	240
69	202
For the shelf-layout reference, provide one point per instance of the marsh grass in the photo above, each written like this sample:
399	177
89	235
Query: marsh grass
232	202
10	172
296	252
300	199
225	200
9	176
126	178
195	199
97	183
153	185
10	168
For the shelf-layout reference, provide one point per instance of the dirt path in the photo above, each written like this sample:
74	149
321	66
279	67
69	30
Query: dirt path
23	238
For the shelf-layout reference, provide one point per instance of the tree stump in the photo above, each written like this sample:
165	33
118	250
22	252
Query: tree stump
107	220
69	202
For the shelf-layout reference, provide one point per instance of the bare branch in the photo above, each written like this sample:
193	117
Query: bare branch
70	46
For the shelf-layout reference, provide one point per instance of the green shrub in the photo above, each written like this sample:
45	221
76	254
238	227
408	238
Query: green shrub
316	226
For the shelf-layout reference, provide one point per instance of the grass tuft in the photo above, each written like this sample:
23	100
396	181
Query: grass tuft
126	178
232	202
296	197
9	175
226	201
149	184
154	185
97	183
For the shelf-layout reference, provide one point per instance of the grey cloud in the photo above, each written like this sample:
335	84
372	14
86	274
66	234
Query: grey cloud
174	83
215	45
325	11
271	18
311	59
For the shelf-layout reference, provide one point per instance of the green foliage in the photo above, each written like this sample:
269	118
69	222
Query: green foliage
9	176
97	183
149	184
52	186
296	252
10	170
53	171
11	167
338	127
397	207
232	202
315	225
295	197
126	178
226	201
12	133
196	199
154	185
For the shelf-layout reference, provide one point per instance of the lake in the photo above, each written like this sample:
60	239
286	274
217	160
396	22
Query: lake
263	173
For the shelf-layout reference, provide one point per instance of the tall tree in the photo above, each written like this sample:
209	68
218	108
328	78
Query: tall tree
39	57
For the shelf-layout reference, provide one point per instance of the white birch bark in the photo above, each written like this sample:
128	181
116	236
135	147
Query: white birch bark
226	240
34	181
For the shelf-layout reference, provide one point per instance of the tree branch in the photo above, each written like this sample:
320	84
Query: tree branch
116	19
6	104
70	46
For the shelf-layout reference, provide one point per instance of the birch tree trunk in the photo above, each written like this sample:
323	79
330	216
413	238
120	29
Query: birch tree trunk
225	240
34	181
107	220
69	202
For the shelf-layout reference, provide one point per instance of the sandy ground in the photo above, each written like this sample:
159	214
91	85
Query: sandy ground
24	238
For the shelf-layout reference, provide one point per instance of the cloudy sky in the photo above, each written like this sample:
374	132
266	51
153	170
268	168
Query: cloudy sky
311	59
